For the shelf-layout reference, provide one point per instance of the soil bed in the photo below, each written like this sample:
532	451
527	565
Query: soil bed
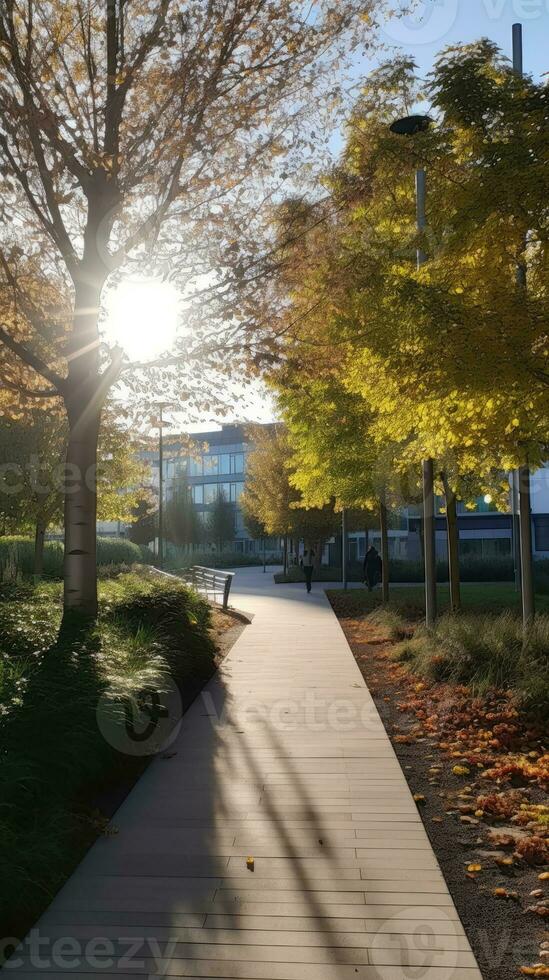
437	731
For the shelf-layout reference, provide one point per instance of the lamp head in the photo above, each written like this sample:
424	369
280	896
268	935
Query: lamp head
411	125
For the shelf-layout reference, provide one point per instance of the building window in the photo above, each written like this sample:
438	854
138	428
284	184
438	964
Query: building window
236	492
541	524
225	464
237	463
195	467
211	465
198	494
210	493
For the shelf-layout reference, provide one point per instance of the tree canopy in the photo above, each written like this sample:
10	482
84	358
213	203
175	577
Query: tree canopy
144	135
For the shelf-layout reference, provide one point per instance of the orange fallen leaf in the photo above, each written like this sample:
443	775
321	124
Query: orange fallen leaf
474	867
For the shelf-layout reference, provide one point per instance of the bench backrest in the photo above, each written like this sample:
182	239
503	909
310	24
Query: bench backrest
211	580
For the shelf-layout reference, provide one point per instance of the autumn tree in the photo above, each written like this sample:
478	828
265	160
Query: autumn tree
451	358
271	498
141	134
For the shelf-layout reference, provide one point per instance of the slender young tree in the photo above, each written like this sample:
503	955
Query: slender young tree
221	526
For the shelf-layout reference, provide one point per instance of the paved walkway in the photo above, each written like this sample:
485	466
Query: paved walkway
282	759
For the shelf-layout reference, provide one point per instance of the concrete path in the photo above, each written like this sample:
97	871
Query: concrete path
284	760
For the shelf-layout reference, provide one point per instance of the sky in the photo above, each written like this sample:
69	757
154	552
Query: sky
438	23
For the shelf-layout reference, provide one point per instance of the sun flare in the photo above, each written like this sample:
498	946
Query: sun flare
142	317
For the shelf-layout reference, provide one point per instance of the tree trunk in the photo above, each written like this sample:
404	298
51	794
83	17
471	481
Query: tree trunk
39	536
285	554
429	536
384	524
80	564
84	395
453	545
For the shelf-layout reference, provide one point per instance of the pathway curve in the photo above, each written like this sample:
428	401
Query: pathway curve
282	759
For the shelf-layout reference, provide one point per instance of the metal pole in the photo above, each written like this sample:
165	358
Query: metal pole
264	556
160	493
421	187
429	532
528	604
427	465
517	49
515	527
523	474
344	547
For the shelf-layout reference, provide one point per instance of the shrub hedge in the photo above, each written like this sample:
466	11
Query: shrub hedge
176	559
17	553
401	571
56	766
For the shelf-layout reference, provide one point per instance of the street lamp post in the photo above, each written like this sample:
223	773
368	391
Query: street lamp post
161	425
344	548
522	476
411	126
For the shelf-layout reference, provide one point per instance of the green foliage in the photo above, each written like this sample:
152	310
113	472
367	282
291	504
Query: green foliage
54	760
19	551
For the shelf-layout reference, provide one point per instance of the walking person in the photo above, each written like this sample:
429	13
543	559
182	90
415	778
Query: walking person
308	567
373	568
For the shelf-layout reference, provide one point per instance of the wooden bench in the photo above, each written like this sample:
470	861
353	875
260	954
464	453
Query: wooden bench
210	581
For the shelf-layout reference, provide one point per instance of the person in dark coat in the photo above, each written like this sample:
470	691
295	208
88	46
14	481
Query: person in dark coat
308	567
372	568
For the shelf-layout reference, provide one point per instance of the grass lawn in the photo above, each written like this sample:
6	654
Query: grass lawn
476	597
